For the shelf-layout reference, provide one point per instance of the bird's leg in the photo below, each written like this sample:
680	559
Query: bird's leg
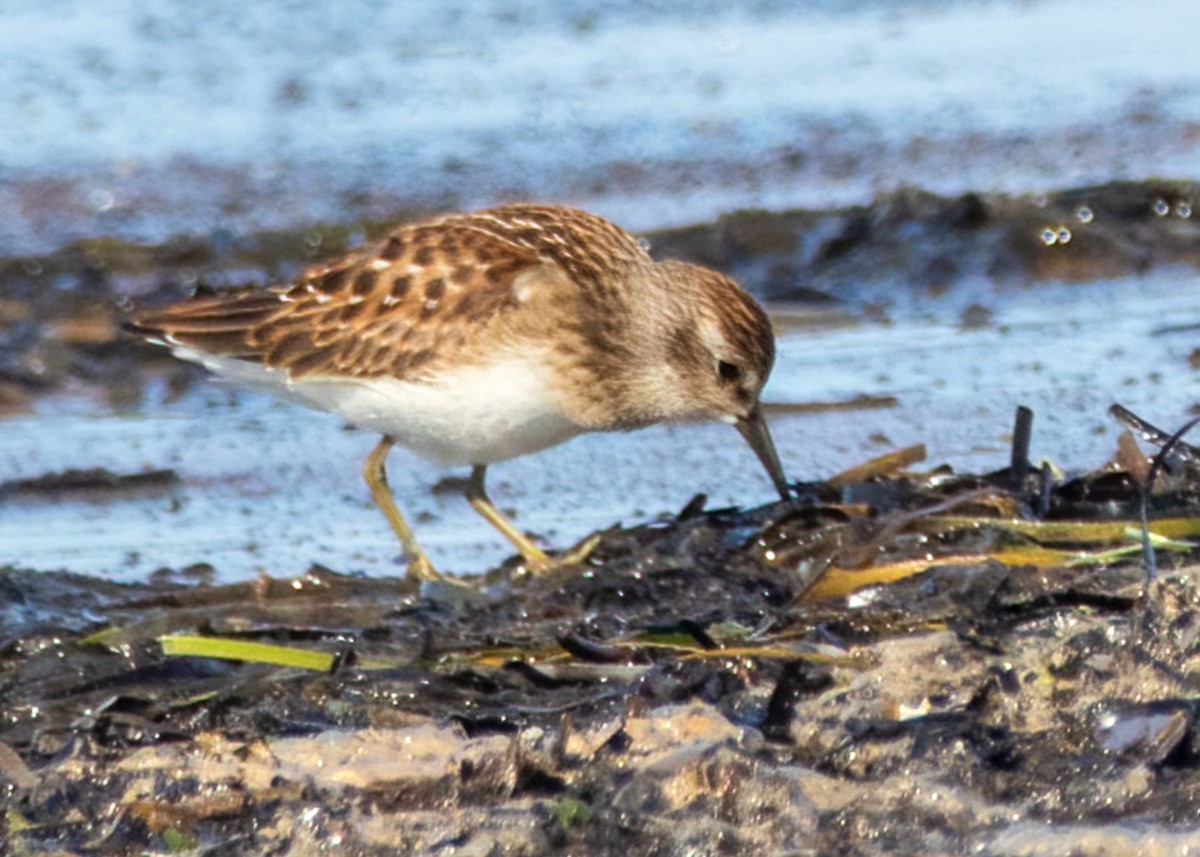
536	559
419	566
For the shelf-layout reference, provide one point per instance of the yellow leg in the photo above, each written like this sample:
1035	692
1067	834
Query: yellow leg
419	566
536	559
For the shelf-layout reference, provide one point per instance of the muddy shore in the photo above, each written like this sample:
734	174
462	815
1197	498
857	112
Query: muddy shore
902	660
60	313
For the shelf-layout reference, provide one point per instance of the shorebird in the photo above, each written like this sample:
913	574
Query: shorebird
479	337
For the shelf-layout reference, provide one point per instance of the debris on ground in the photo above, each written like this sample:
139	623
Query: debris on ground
895	661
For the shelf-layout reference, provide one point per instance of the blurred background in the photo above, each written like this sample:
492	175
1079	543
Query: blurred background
147	119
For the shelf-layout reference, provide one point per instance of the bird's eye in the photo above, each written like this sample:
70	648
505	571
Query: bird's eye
728	372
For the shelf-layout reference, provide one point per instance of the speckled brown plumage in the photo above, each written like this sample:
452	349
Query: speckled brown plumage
435	294
556	320
407	292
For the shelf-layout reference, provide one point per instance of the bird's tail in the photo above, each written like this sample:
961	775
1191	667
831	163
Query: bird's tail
220	324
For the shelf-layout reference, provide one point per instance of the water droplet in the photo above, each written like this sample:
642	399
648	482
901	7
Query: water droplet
1085	214
1064	235
1183	209
313	238
645	244
102	199
1049	237
1161	208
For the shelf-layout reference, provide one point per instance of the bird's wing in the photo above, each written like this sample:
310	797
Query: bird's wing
401	308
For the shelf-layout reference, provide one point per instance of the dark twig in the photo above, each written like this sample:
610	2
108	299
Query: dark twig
591	652
1045	490
1156	464
1152	434
1022	434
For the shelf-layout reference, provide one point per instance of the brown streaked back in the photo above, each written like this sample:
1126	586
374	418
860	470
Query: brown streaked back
409	302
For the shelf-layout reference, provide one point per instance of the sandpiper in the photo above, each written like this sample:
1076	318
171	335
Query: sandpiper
479	337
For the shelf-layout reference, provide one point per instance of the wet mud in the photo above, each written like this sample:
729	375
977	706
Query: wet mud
61	313
896	661
900	660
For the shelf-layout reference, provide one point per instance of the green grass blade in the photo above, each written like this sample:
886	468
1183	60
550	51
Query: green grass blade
184	645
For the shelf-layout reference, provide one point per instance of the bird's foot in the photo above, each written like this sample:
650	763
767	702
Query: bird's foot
420	569
421	575
537	561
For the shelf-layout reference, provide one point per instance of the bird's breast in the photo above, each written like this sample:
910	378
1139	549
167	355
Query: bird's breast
474	414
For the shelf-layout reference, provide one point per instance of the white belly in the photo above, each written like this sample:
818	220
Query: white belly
475	415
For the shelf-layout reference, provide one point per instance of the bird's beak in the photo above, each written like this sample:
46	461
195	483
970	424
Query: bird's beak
754	429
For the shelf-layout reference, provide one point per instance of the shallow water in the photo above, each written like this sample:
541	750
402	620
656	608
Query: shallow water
268	486
144	120
648	114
